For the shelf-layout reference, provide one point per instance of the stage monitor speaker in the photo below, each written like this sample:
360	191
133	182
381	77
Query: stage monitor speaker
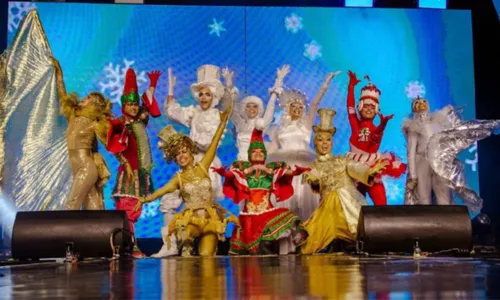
47	234
396	228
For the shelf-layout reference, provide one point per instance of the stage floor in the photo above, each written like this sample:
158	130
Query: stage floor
269	277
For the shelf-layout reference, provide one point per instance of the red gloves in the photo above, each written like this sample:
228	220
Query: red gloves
299	170
221	171
353	80
153	78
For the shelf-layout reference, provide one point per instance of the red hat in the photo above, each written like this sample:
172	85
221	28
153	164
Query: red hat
257	141
370	94
130	90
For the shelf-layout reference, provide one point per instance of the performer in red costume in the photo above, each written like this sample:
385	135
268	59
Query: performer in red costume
366	137
128	139
253	182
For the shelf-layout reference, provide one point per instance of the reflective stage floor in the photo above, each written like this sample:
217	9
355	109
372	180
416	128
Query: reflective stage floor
270	277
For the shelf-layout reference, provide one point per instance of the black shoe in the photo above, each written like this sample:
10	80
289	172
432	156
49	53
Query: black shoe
267	248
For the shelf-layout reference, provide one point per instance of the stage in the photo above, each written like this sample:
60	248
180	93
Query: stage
264	277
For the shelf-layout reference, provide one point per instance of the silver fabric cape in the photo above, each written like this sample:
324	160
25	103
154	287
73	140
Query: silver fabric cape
35	173
442	152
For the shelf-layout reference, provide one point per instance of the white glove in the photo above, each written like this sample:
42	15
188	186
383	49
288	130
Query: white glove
171	82
329	78
228	77
278	83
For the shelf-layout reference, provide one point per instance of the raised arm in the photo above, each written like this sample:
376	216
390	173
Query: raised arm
67	103
148	98
351	103
321	93
206	161
173	110
275	91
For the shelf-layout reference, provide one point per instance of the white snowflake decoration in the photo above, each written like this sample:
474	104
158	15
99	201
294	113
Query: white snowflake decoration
473	162
216	27
17	11
150	210
313	50
393	191
293	23
115	75
414	89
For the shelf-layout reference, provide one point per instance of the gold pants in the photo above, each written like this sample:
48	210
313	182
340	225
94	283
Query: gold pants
84	190
203	223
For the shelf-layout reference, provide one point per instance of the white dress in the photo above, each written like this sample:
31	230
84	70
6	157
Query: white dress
294	138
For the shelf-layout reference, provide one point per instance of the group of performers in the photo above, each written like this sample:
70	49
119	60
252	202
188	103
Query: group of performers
291	198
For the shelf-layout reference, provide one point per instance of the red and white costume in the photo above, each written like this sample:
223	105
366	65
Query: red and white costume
365	141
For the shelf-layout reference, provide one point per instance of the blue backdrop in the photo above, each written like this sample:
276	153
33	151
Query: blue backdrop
405	52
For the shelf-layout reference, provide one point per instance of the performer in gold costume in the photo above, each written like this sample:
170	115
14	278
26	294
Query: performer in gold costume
333	178
202	216
88	119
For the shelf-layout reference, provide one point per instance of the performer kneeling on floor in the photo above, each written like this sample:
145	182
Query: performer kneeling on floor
202	217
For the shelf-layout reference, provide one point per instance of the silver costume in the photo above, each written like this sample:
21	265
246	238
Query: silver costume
434	141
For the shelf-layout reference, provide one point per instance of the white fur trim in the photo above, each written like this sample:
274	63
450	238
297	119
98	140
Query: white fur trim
259	124
252	99
370	93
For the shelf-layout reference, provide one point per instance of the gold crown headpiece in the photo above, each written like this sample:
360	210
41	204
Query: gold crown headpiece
170	142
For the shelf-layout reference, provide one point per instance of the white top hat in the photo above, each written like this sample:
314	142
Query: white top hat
209	76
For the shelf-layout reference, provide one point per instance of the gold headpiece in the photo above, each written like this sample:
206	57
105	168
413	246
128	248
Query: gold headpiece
325	121
171	141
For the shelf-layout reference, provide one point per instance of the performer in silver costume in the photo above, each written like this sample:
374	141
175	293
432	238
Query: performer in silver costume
434	141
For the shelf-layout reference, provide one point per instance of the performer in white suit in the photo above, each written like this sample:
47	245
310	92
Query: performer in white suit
203	121
251	110
418	132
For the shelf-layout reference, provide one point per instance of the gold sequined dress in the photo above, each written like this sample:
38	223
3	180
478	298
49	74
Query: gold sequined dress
200	210
337	215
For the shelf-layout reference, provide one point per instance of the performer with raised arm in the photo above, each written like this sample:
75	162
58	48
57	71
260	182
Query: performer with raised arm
434	141
366	137
333	178
290	143
252	109
88	120
202	216
129	141
204	119
253	182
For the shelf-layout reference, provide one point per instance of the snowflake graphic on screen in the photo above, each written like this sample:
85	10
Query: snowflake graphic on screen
393	191
473	162
115	79
17	11
293	23
313	50
150	210
414	89
216	27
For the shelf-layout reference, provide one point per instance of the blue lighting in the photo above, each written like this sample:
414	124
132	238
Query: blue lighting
358	3
440	4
